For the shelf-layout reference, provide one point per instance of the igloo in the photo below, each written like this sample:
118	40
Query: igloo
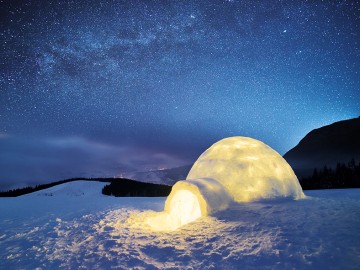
248	169
238	169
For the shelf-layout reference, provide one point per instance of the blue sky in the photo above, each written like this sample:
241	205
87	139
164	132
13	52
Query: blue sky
156	83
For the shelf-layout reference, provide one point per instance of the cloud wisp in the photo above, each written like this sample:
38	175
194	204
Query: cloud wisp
30	161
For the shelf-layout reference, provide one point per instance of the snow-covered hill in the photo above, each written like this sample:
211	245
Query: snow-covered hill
74	188
73	226
327	145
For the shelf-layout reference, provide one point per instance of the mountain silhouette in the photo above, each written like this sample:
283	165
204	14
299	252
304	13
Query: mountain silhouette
165	176
326	146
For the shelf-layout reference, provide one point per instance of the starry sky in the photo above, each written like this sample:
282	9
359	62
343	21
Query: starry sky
102	88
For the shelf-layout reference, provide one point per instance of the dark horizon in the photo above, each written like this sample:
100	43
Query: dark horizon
105	88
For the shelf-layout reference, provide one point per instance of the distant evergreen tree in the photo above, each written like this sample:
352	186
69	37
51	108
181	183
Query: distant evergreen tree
131	188
344	176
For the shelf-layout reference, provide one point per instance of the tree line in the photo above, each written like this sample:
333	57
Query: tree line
342	176
132	188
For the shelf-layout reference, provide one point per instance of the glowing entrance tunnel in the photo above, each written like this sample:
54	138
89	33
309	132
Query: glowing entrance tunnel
189	200
239	169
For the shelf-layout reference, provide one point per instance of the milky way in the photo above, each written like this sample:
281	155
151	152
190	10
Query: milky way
172	77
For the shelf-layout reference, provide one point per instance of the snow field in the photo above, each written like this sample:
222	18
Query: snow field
77	230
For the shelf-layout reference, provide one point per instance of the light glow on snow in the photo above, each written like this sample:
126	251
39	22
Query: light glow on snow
239	169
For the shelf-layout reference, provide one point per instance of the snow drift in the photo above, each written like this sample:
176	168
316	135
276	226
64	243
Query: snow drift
239	169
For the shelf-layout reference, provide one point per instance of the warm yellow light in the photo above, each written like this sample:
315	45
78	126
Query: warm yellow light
236	169
188	201
184	208
248	169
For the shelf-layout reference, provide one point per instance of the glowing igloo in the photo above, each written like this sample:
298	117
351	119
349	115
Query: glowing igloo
239	169
248	169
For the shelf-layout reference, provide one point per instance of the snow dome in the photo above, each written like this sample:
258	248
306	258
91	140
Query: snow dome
239	169
248	169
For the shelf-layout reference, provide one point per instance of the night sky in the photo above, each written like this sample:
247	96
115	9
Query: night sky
102	88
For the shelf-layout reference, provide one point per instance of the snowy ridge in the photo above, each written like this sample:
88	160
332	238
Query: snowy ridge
74	188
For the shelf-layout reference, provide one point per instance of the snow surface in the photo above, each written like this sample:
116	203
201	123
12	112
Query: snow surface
77	227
